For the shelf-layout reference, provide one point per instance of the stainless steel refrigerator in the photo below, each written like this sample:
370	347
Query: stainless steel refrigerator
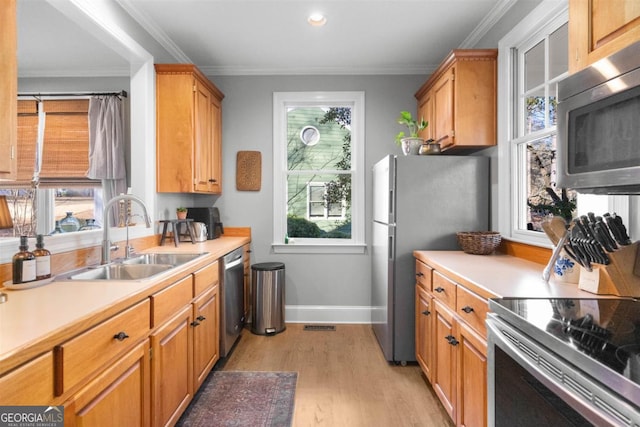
419	203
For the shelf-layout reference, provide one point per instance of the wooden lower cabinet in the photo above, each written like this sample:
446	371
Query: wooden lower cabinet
472	378
206	334
444	358
424	316
451	347
119	396
172	368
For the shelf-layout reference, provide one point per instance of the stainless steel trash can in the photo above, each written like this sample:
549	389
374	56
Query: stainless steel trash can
267	290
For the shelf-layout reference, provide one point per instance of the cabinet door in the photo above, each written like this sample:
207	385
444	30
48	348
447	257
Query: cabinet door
598	28
202	146
8	90
444	358
471	406
172	368
215	170
117	397
206	333
443	109
424	334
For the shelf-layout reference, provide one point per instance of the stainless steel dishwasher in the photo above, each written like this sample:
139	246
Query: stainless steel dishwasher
232	299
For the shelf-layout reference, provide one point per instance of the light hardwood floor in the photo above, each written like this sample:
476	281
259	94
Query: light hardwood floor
343	379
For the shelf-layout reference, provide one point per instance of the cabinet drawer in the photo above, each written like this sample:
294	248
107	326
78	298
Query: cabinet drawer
83	355
423	275
205	277
166	303
444	290
473	310
29	384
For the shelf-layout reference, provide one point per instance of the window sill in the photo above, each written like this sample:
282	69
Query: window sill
305	248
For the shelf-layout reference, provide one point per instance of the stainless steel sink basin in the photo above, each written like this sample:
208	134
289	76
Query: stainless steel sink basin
122	272
162	258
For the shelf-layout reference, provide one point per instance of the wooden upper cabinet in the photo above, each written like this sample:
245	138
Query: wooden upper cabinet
188	131
8	90
598	28
460	100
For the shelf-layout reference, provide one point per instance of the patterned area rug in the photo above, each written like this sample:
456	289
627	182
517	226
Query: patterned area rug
241	399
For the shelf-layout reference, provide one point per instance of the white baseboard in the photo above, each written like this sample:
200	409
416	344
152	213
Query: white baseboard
327	314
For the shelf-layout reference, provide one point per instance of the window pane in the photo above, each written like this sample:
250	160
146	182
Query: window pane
534	66
328	150
553	104
79	202
318	206
544	197
558	52
534	112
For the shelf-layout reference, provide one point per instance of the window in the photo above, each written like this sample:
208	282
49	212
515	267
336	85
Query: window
533	58
59	161
318	171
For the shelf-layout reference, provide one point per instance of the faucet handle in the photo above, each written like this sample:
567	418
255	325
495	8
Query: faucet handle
128	251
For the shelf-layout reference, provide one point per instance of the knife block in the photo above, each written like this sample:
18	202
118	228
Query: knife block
620	277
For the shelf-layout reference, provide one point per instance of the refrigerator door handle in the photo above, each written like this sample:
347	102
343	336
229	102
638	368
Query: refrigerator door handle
390	247
392	207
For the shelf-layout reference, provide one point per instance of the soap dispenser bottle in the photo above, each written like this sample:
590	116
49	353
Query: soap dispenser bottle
24	263
43	259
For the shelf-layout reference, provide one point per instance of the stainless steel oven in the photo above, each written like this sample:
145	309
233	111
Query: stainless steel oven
563	362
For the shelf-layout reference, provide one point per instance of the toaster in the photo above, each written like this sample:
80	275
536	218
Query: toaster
210	217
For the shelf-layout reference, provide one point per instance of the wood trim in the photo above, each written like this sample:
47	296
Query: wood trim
521	250
237	231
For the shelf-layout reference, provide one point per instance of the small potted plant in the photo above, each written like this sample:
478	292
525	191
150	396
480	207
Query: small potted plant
181	212
410	143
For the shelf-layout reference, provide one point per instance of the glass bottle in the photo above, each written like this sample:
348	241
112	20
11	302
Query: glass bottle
43	259
90	225
24	263
57	230
69	223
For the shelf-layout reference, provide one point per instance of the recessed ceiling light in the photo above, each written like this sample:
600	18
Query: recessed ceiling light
317	19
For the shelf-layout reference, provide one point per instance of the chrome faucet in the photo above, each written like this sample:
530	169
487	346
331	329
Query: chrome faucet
107	247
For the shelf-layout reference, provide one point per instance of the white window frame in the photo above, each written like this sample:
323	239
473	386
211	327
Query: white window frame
282	100
549	14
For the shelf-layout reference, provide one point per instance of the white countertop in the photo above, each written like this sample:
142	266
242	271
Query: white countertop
499	276
34	320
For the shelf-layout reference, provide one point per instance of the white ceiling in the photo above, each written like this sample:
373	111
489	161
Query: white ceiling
263	37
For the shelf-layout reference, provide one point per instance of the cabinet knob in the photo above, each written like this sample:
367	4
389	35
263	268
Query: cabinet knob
201	318
121	336
467	309
439	289
451	339
426	312
195	323
211	180
419	274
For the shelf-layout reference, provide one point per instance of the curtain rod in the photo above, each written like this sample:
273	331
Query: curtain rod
122	93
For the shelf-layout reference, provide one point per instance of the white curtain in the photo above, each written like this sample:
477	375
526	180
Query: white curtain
107	148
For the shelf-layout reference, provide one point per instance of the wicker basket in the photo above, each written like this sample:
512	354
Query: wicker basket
479	242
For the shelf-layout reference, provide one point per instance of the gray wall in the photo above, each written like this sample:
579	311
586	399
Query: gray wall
311	279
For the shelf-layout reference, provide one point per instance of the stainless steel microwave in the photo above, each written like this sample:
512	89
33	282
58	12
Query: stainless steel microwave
599	126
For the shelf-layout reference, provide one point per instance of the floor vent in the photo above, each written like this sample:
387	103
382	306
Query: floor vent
319	328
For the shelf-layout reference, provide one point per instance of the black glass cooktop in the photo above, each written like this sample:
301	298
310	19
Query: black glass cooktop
606	331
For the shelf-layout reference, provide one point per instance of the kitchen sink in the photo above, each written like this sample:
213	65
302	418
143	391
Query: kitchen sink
122	272
139	267
161	258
